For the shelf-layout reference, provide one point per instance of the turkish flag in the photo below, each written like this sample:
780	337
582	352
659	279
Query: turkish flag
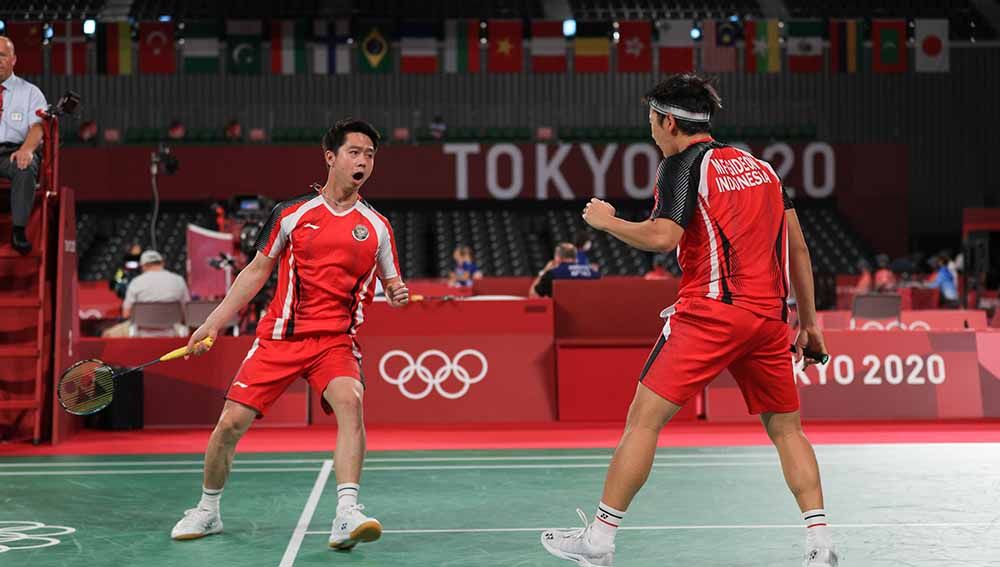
27	38
157	53
506	39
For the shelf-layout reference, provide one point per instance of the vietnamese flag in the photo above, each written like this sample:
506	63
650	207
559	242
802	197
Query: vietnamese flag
506	49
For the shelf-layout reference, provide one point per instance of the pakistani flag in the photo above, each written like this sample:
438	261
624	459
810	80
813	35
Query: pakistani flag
243	46
201	47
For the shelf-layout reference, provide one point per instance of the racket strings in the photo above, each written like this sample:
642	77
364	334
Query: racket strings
86	387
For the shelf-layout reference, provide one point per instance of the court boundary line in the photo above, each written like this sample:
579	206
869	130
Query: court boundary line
292	551
600	465
517	458
692	527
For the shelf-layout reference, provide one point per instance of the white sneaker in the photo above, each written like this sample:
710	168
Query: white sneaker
576	545
197	523
821	557
351	527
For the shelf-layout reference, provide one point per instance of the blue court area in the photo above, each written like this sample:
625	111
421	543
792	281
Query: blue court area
891	505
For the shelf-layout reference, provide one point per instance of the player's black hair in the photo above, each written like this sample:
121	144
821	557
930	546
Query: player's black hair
690	92
334	137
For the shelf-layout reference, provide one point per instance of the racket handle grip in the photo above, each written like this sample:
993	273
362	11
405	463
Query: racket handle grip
183	351
820	357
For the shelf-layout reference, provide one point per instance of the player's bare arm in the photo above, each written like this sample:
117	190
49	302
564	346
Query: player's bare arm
249	281
800	272
396	292
653	235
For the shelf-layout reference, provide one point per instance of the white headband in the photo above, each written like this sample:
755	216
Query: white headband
679	112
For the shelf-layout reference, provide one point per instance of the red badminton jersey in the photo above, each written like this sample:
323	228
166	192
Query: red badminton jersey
327	263
732	208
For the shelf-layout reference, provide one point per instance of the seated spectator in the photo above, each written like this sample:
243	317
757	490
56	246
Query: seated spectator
87	132
583	244
438	128
155	284
944	280
176	130
884	279
659	271
864	284
466	271
233	131
562	266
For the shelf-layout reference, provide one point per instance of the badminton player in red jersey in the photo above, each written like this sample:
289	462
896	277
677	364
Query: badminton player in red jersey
738	243
328	249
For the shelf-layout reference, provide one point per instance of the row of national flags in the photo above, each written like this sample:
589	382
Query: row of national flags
342	46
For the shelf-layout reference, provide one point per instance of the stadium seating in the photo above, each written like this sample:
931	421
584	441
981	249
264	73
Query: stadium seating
662	9
198	9
105	232
515	240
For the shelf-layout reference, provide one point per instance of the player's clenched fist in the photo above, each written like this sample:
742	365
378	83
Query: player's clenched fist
597	213
397	294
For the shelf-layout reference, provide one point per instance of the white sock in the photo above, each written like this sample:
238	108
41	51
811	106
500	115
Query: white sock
605	525
817	530
347	494
210	499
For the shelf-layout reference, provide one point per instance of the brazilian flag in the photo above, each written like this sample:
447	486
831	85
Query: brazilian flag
374	39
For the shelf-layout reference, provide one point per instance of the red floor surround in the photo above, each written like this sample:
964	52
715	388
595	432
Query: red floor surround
506	436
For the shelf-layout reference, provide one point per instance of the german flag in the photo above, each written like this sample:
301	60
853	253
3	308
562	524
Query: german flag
114	49
592	47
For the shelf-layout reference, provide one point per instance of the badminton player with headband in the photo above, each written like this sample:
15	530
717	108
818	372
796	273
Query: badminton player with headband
740	247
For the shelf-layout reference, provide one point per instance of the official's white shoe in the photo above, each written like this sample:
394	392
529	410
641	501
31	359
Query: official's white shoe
351	527
821	557
576	545
197	523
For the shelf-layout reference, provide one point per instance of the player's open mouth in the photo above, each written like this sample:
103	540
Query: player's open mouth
358	175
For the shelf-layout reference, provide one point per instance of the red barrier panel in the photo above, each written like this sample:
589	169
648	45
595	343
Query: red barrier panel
924	320
611	307
913	298
190	392
597	383
457	361
890	375
503	286
97	301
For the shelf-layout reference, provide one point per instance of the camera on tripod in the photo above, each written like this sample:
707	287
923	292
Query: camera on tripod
252	211
222	261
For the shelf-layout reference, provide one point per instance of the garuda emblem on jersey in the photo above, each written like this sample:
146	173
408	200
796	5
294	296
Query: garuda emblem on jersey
360	233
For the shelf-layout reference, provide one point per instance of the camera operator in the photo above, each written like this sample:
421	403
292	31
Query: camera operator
127	271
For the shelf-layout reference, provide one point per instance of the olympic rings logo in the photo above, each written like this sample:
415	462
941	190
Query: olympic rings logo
33	534
432	381
878	326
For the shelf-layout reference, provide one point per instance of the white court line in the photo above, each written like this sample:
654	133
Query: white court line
395	468
307	513
709	527
607	456
149	471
